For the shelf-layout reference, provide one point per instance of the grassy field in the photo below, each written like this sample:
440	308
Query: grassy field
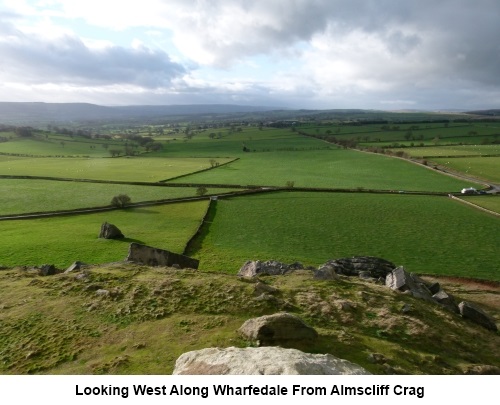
145	169
24	196
328	168
232	143
62	146
487	168
63	240
489	202
456	150
425	234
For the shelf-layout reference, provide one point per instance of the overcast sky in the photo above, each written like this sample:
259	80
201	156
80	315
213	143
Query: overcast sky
380	54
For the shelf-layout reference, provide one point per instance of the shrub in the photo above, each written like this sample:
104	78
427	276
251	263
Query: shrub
120	200
201	191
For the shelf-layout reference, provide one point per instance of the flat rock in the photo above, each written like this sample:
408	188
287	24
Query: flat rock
278	329
262	361
253	268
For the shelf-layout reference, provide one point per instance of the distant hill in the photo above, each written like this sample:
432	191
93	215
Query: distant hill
57	113
492	113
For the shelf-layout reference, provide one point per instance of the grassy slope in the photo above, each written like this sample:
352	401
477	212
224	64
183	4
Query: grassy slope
432	235
22	196
63	240
59	325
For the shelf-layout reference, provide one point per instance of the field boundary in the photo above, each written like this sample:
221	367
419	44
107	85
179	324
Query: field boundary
211	205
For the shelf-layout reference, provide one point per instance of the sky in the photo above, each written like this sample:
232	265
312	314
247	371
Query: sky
312	54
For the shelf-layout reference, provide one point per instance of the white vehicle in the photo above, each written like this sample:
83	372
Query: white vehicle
469	190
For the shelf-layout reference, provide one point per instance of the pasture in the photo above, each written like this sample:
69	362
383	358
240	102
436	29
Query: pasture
62	146
485	168
489	202
336	168
451	151
423	233
63	240
432	235
142	169
25	196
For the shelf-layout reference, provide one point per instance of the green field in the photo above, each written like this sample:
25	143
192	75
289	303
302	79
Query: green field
232	143
434	235
456	150
58	146
423	233
24	196
121	169
490	202
63	240
487	168
336	168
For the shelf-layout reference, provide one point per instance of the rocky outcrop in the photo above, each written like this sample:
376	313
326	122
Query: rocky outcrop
401	280
262	361
278	329
360	266
326	272
151	256
477	315
74	267
270	268
48	270
110	231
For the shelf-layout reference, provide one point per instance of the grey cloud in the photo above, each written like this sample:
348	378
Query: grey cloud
460	33
69	60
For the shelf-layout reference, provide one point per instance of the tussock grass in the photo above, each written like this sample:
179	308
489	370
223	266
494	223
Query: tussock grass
61	325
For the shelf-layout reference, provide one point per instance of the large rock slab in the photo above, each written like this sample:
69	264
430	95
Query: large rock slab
110	231
371	266
262	361
278	329
253	268
151	256
477	315
399	279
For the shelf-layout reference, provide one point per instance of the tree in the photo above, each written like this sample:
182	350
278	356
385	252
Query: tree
201	191
24	132
290	184
120	200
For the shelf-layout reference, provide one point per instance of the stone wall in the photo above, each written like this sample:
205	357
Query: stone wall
158	257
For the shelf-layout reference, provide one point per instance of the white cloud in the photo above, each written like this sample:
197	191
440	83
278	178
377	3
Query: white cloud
317	52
